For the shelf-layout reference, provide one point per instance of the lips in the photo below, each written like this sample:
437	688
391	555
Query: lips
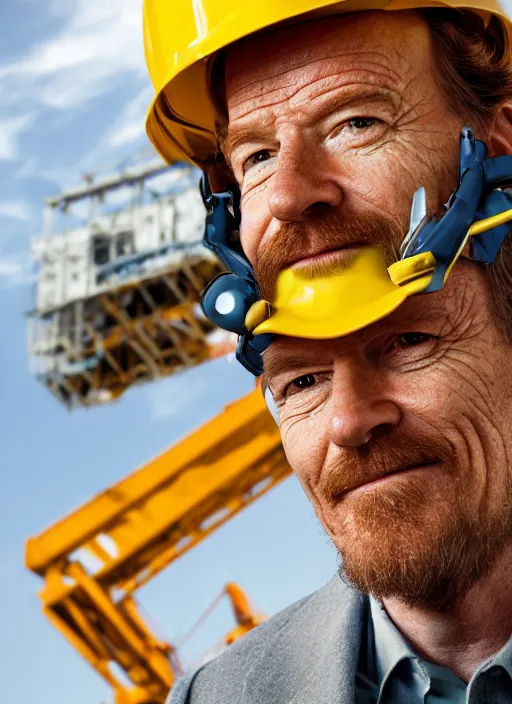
322	256
374	483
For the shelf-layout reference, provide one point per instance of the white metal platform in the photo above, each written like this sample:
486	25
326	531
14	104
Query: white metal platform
117	296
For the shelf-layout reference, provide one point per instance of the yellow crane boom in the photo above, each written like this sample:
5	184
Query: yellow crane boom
134	529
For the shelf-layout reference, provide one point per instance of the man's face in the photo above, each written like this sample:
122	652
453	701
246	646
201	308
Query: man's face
333	125
425	394
340	118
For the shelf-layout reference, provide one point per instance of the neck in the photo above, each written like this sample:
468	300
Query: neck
477	628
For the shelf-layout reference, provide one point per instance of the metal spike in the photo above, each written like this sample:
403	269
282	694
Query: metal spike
418	217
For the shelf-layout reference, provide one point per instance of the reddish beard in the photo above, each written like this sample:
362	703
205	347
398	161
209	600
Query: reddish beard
401	541
327	232
411	539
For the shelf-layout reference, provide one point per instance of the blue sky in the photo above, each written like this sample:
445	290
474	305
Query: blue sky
74	91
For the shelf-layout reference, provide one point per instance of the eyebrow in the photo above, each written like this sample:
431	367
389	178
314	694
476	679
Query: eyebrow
234	136
237	135
271	368
277	364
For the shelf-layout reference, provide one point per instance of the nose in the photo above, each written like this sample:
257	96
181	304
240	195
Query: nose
302	182
359	408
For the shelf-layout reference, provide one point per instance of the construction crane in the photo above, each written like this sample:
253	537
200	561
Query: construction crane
118	287
117	303
135	529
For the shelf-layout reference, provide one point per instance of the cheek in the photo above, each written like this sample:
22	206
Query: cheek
305	445
387	178
460	404
255	221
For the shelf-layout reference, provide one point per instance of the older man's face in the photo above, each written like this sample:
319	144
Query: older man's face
423	398
340	118
332	127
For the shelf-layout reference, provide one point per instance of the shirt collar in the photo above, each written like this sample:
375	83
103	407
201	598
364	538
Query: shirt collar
390	646
503	657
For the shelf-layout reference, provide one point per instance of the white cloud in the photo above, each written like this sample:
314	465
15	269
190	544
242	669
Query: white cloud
131	123
127	131
16	210
15	270
10	129
96	48
98	42
29	168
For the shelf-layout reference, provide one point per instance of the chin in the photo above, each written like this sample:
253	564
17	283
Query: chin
430	559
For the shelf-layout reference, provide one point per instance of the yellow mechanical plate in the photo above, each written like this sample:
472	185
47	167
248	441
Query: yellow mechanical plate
411	268
257	314
340	302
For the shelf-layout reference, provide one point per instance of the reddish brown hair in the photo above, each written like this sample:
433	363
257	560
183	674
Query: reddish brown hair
473	65
475	73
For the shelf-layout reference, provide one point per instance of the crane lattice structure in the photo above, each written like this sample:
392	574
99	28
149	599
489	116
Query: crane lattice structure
117	297
135	529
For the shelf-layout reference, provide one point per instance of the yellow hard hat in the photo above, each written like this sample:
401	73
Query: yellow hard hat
181	36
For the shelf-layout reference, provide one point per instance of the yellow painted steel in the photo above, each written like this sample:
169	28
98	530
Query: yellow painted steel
245	617
481	226
181	37
134	529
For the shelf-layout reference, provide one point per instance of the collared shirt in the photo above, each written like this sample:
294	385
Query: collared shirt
391	673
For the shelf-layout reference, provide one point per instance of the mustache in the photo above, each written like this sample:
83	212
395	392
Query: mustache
384	455
327	231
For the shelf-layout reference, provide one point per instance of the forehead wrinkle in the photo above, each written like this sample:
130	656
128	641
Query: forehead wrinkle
261	125
289	49
345	95
335	98
385	71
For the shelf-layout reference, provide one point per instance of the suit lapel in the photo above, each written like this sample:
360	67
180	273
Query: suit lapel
313	659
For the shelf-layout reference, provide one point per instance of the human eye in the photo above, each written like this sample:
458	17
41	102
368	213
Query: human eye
361	123
359	129
411	339
410	349
308	388
301	383
258	157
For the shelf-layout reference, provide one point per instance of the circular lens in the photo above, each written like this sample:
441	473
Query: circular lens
225	303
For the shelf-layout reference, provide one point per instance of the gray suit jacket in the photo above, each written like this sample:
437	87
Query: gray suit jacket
306	654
